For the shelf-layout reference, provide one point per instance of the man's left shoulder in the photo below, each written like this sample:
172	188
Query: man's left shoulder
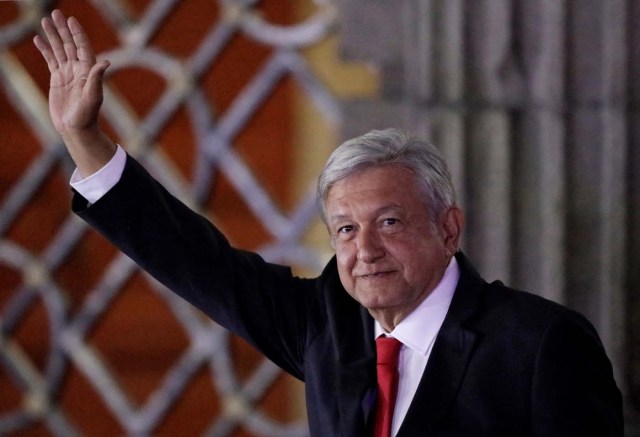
519	309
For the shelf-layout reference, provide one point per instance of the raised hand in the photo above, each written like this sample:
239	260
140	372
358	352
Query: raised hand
75	91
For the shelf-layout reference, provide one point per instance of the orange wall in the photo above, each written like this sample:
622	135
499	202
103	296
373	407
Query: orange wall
138	336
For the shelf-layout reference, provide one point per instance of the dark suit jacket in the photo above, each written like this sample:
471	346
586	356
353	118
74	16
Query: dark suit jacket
505	363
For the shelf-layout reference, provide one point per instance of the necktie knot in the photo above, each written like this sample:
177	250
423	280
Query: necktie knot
387	350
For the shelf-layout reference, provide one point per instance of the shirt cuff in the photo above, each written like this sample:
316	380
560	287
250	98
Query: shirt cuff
98	184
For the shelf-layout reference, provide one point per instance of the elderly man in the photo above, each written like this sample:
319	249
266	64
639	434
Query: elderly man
456	356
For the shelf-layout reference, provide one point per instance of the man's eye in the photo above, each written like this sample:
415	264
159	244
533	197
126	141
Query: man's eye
345	229
389	221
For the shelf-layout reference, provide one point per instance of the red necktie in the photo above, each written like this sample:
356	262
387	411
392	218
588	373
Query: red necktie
387	350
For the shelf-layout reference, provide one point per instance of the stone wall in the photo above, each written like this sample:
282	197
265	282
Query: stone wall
535	105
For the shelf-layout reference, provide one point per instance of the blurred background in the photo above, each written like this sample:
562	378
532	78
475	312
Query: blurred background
234	105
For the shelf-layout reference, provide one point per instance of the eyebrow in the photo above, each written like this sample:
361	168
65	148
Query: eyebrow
382	210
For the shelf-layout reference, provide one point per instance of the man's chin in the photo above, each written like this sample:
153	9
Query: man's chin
375	301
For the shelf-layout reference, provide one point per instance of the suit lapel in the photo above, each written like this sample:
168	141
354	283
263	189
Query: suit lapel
352	330
440	381
356	376
449	358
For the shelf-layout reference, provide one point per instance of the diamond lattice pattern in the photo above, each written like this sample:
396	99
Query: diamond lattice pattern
200	92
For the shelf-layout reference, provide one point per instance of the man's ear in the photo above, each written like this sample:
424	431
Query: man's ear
451	228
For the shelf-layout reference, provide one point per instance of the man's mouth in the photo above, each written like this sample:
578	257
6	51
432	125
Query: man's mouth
374	275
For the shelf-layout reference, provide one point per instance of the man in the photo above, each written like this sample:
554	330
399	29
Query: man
475	359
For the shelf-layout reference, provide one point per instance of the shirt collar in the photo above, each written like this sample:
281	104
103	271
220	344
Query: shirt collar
419	329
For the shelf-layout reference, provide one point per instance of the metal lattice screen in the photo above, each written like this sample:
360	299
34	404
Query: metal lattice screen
58	308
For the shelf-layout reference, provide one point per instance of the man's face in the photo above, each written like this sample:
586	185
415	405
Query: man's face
390	254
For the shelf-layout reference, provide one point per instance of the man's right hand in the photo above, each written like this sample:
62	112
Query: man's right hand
75	91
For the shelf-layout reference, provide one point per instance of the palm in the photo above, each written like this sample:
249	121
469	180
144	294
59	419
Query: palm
70	102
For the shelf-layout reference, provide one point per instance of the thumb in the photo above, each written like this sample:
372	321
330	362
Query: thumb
95	78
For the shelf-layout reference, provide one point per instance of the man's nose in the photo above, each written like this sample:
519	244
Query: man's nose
370	247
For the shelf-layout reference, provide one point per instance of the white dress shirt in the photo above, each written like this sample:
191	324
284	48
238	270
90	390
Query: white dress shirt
417	333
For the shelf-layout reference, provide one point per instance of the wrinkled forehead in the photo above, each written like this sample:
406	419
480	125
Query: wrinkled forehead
374	188
380	177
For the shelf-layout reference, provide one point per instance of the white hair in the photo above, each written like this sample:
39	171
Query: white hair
391	147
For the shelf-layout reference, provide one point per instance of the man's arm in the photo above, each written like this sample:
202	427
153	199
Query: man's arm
259	301
75	91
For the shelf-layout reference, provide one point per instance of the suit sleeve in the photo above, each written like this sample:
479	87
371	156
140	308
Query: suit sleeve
261	302
574	392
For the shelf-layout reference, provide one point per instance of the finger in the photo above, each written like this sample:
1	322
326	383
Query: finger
46	52
85	52
54	40
96	75
65	35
